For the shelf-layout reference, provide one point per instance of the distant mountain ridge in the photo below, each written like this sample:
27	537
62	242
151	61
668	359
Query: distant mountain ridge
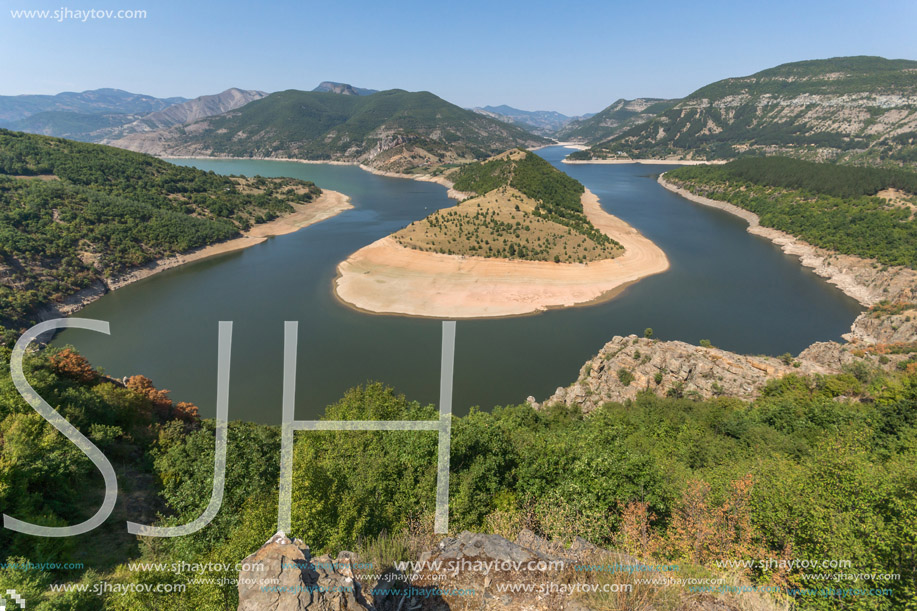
848	109
93	127
343	88
542	122
94	101
393	130
198	108
615	119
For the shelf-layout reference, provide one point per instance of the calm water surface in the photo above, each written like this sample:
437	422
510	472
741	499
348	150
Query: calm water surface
737	290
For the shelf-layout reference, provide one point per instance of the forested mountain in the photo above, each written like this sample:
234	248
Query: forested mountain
394	130
525	208
96	101
849	109
542	122
72	213
615	119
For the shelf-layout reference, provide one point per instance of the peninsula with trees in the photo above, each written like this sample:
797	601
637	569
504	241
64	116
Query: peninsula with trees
528	238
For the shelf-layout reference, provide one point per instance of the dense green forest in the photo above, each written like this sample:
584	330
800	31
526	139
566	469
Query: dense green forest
834	207
557	194
419	128
73	213
822	467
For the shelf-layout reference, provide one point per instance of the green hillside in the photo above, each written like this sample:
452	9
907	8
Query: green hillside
868	212
72	214
395	130
860	110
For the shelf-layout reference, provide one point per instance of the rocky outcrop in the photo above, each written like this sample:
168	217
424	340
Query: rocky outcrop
461	573
283	576
477	568
628	365
343	88
877	328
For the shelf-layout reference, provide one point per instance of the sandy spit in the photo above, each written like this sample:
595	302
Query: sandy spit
570	145
329	204
387	278
641	161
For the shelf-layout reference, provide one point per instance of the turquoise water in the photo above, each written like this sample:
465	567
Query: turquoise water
737	290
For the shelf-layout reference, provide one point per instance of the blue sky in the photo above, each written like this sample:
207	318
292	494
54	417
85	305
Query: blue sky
574	57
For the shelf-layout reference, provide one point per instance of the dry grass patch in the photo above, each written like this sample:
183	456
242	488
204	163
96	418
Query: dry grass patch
502	224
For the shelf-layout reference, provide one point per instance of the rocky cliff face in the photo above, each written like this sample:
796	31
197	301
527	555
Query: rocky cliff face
343	88
854	109
628	365
193	110
138	135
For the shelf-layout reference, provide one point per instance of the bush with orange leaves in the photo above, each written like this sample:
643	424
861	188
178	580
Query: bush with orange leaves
162	405
700	531
73	365
705	532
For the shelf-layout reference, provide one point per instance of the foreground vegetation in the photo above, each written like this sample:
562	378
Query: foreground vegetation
818	468
846	209
72	214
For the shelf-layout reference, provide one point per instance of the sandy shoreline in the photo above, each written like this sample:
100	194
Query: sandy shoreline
640	161
387	278
329	204
570	145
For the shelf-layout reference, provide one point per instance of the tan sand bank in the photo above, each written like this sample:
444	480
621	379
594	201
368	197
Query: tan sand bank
388	278
327	205
644	161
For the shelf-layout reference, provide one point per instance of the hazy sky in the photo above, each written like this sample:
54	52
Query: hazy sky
574	57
